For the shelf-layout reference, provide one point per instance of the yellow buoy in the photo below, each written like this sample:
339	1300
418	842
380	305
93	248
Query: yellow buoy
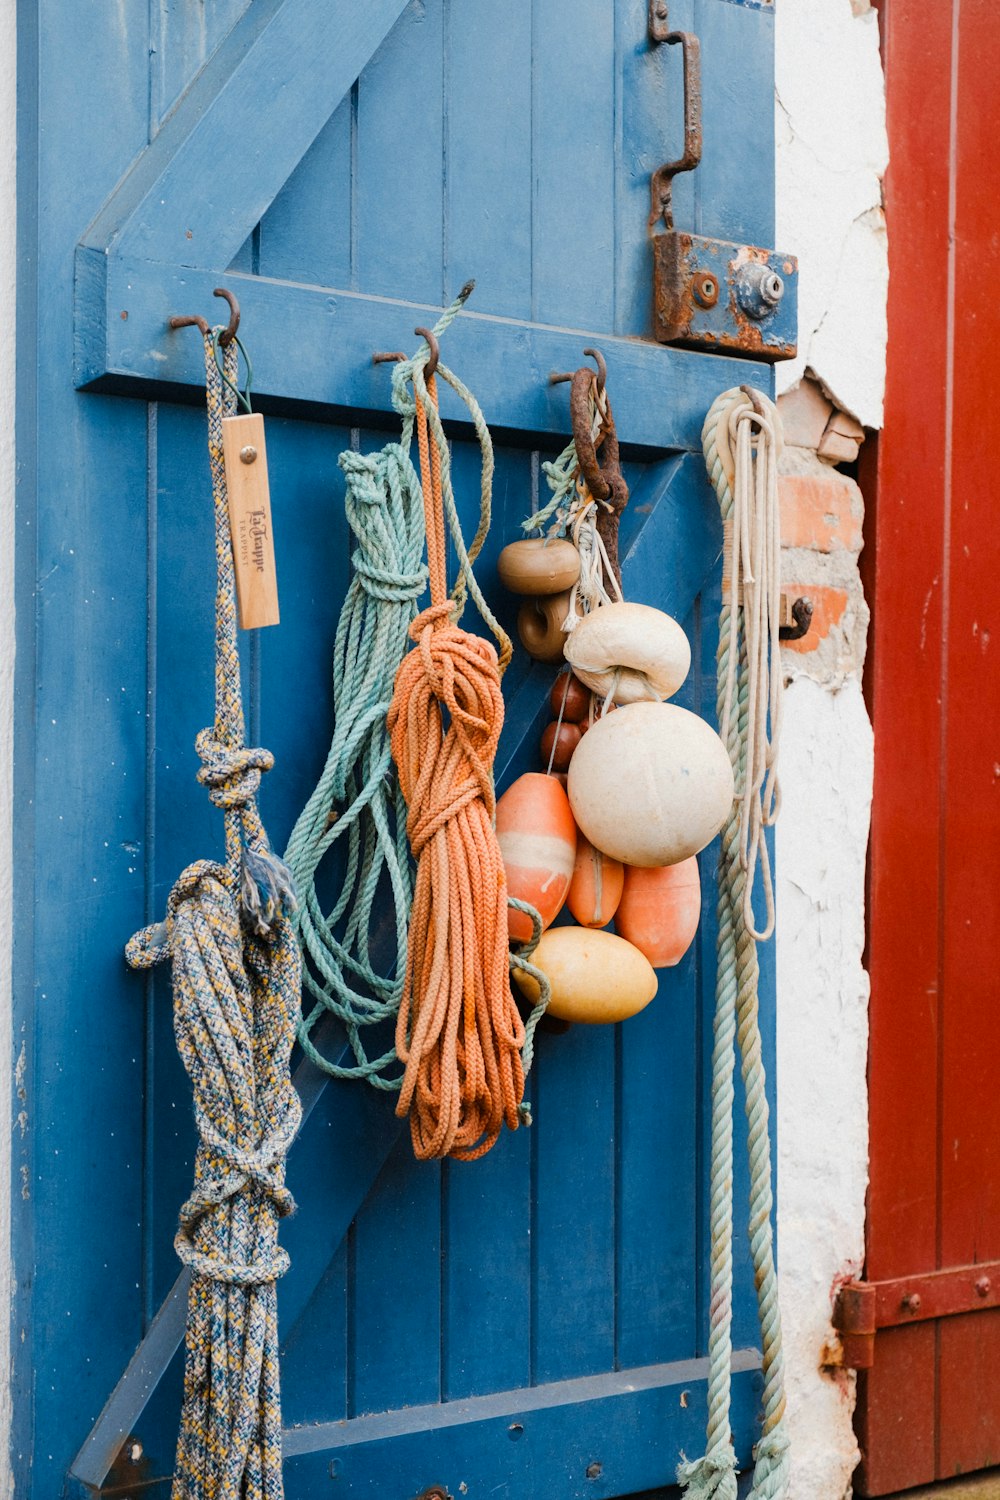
595	976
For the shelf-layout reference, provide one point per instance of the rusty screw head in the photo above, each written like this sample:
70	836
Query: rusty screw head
706	289
983	1286
248	455
911	1302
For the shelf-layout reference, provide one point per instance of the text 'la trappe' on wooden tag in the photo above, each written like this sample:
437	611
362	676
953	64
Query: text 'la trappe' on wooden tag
245	458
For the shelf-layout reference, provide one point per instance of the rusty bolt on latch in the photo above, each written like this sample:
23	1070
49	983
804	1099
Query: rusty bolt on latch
983	1286
911	1302
758	290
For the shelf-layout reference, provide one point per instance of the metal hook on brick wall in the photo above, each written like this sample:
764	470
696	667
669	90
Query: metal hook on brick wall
802	614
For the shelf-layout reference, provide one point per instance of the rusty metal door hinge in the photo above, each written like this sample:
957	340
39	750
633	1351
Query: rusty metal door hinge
862	1308
710	293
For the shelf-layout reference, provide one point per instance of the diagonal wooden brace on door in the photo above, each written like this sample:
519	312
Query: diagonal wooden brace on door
367	1129
237	134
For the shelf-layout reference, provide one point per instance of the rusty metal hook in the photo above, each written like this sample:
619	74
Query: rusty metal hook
802	614
229	333
227	336
604	480
430	369
602	369
388	357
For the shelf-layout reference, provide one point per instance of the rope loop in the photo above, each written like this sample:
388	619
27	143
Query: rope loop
741	440
236	986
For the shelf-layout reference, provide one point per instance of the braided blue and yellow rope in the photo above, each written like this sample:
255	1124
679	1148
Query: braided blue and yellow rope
236	974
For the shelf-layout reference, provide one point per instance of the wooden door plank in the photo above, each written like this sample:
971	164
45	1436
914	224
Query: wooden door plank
488	186
573	162
308	234
486	1263
241	129
906	669
394	1288
969	1347
399	181
896	1415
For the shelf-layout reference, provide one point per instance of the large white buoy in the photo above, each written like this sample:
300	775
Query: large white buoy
595	976
650	784
629	652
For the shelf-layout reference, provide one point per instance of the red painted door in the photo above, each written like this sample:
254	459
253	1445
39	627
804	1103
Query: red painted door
929	1407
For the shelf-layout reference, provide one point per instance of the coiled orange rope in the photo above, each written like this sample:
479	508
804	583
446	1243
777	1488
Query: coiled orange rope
459	1033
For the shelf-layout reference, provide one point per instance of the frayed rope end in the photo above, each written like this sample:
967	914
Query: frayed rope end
710	1478
266	890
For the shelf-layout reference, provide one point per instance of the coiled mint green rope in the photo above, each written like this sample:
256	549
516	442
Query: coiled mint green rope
713	1477
357	802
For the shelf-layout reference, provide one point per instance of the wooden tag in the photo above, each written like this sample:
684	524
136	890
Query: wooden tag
250	520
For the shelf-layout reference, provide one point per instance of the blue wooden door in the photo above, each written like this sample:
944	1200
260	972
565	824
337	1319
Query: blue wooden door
533	1324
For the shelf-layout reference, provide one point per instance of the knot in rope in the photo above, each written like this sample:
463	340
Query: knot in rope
231	775
381	560
236	985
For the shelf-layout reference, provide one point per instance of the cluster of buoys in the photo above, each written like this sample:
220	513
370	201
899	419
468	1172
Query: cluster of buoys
634	788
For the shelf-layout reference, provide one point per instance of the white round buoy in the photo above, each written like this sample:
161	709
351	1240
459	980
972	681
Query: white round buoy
650	784
629	652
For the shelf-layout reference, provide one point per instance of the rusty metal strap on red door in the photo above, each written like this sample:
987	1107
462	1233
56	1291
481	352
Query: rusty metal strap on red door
863	1307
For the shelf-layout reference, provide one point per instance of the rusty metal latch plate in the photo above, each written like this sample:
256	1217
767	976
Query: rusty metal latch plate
863	1307
713	295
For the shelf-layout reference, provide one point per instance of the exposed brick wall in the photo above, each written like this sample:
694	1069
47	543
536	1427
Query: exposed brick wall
821	518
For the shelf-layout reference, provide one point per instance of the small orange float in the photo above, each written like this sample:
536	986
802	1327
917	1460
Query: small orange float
659	910
596	887
558	743
569	699
537	837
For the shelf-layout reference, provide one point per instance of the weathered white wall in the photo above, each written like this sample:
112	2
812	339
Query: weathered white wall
831	152
7	282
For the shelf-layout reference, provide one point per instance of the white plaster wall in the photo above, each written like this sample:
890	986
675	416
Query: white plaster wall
831	153
8	135
822	837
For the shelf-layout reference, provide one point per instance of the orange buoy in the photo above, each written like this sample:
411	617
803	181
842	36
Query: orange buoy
537	838
659	910
596	887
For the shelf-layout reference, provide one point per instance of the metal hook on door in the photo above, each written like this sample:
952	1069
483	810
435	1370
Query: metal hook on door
430	369
228	333
558	378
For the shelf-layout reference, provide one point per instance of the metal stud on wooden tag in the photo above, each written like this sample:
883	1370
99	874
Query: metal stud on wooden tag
245	456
